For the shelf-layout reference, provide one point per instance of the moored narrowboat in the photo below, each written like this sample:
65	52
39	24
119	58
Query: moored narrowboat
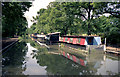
81	40
89	42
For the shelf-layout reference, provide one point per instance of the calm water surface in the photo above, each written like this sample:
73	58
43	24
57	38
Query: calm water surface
29	58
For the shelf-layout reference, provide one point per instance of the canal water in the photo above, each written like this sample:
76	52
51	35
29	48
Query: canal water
30	58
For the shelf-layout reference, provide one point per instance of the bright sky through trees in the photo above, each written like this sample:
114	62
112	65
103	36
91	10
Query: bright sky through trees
36	5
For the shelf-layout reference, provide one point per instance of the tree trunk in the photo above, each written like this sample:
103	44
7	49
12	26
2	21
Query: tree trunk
89	32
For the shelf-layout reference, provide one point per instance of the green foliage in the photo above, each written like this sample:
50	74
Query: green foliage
76	18
109	27
13	21
20	38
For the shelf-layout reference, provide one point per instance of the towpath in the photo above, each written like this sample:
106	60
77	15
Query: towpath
7	42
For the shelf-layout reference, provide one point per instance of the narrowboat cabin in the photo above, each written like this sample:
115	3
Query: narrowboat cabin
53	37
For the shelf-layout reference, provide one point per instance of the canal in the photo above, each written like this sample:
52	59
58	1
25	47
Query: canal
29	58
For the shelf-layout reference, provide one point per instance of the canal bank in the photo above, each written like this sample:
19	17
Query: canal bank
8	42
27	55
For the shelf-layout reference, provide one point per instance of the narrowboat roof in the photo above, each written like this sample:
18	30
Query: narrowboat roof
78	36
53	33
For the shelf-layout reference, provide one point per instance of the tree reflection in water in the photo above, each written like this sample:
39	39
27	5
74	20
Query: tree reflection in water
13	60
59	65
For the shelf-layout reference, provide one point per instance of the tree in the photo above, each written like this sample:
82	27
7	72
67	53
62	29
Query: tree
113	9
72	17
108	27
13	20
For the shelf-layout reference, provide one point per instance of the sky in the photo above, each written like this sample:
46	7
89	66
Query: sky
36	5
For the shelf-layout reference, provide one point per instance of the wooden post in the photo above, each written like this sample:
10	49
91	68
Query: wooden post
105	41
117	47
105	45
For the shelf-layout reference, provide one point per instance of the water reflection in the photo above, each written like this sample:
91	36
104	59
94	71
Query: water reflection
29	58
58	65
108	66
103	64
13	60
32	68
